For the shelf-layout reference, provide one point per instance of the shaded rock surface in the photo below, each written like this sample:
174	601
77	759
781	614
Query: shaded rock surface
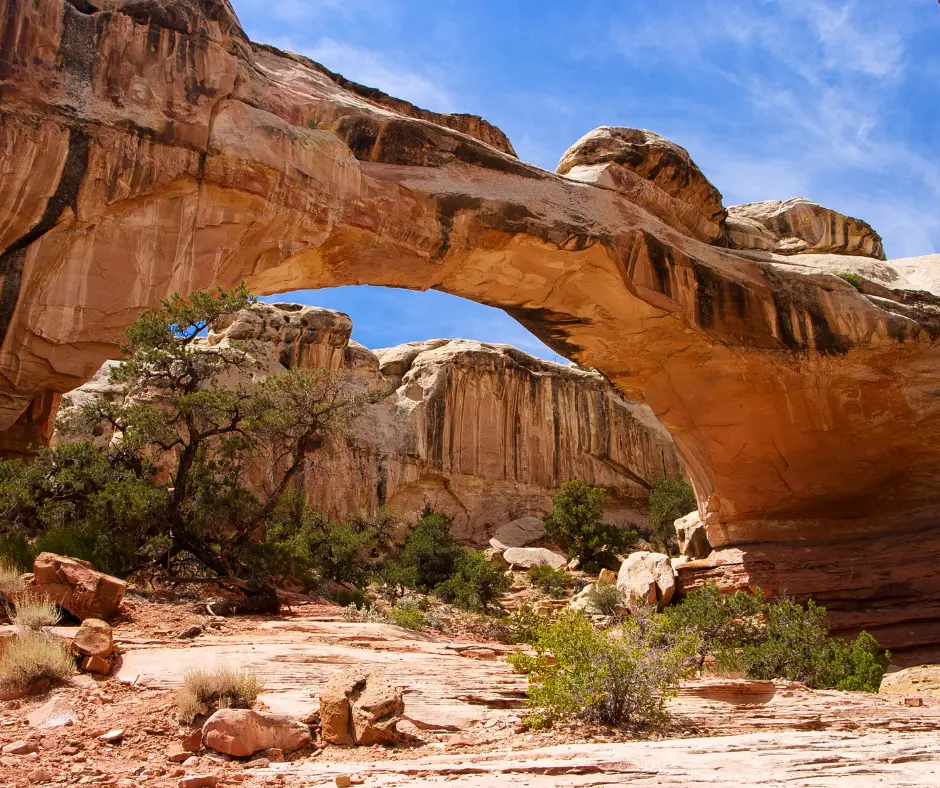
796	400
693	536
518	533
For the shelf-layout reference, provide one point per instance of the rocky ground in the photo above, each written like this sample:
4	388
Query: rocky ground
463	706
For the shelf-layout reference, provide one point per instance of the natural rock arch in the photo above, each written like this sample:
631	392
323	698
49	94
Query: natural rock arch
150	148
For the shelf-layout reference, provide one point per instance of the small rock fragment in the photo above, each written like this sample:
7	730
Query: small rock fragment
199	781
343	781
190	632
914	702
112	736
19	748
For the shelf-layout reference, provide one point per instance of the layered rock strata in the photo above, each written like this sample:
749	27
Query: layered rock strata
150	147
485	433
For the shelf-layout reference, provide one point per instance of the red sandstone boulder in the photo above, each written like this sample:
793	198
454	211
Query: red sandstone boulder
76	587
243	732
94	639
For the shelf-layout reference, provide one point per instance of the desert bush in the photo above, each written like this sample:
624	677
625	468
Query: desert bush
35	612
205	690
475	583
524	624
575	523
34	656
853	279
407	615
606	598
621	676
767	639
553	582
428	556
670	498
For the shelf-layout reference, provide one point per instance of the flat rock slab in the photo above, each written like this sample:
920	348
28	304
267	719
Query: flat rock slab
786	758
442	689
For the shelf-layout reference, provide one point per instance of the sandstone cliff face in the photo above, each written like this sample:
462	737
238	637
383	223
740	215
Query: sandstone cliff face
483	432
149	147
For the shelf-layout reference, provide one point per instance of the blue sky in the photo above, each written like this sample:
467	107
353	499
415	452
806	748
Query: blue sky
835	100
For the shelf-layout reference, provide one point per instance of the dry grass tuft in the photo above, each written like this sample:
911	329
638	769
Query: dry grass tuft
32	657
11	581
34	613
220	688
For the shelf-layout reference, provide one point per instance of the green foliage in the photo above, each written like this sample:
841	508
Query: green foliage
606	599
407	615
669	498
475	582
78	501
525	623
767	639
621	676
428	556
300	542
853	279
553	582
575	523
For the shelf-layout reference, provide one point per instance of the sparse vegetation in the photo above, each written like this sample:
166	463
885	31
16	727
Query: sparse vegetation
670	498
853	279
606	599
474	584
552	582
10	581
31	657
34	613
767	639
407	615
206	690
620	676
575	522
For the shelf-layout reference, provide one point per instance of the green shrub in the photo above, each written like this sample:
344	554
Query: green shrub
621	676
475	583
429	555
670	498
525	623
553	582
407	615
349	596
768	639
575	523
853	279
606	599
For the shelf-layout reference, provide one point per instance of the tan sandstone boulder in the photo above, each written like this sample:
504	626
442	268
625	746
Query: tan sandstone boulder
518	533
360	707
243	732
76	587
526	557
651	171
693	536
799	226
647	579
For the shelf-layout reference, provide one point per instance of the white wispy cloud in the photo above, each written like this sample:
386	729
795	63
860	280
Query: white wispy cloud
378	70
817	81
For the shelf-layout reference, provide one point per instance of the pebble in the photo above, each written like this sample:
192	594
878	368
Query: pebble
199	781
19	748
112	736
